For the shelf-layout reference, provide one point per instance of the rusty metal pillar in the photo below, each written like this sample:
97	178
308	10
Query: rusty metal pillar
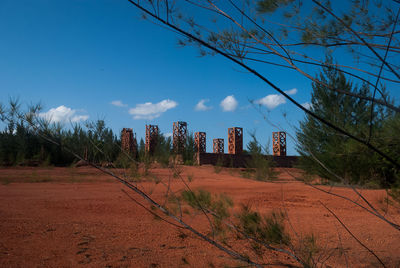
151	138
218	146
200	142
235	140
279	143
179	136
128	141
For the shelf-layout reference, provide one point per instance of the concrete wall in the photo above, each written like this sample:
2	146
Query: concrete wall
240	160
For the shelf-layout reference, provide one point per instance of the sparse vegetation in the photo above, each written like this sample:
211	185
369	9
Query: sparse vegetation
217	205
189	151
307	250
190	177
267	229
260	166
395	194
219	165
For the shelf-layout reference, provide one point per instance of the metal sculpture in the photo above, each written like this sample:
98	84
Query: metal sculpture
279	143
151	138
200	142
128	140
235	140
179	135
218	146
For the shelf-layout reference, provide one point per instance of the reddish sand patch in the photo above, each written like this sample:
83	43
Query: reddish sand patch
68	217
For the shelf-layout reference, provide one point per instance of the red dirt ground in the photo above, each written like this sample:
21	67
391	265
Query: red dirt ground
71	217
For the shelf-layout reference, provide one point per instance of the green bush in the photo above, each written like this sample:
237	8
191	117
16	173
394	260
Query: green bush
307	250
259	166
395	194
189	151
217	205
269	229
218	166
122	161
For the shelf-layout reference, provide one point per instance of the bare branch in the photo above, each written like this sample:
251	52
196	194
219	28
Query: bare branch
355	238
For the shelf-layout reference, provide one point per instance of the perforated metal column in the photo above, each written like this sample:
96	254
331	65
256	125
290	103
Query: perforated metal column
279	143
200	142
235	140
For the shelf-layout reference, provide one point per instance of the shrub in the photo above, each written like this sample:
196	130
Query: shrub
395	194
259	167
162	151
189	151
268	229
122	161
308	248
218	165
217	205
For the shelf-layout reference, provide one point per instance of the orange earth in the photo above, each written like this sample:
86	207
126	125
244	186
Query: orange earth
72	217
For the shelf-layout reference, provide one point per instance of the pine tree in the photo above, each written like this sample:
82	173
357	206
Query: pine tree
353	162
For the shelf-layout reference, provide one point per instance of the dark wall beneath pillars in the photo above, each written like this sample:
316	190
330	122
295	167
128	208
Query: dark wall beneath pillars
240	160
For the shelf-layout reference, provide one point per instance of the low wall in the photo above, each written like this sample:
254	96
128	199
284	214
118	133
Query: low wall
240	160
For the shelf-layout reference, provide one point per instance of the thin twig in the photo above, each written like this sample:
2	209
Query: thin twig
355	238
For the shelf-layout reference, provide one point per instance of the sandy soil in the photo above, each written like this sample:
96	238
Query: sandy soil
71	217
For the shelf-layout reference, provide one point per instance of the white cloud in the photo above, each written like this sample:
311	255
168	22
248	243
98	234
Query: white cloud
229	104
292	91
167	135
274	100
306	105
118	103
150	110
63	114
201	106
271	101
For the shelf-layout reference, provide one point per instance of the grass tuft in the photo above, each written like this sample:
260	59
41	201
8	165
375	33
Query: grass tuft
269	229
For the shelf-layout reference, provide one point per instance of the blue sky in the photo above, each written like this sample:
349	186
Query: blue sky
100	60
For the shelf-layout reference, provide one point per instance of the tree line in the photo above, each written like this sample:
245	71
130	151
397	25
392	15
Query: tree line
22	144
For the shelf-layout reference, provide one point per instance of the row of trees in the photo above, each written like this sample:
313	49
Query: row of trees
21	143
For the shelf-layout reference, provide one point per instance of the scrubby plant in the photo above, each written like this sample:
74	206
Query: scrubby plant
268	229
199	199
134	172
308	249
189	151
218	166
123	161
217	205
395	194
162	152
259	166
